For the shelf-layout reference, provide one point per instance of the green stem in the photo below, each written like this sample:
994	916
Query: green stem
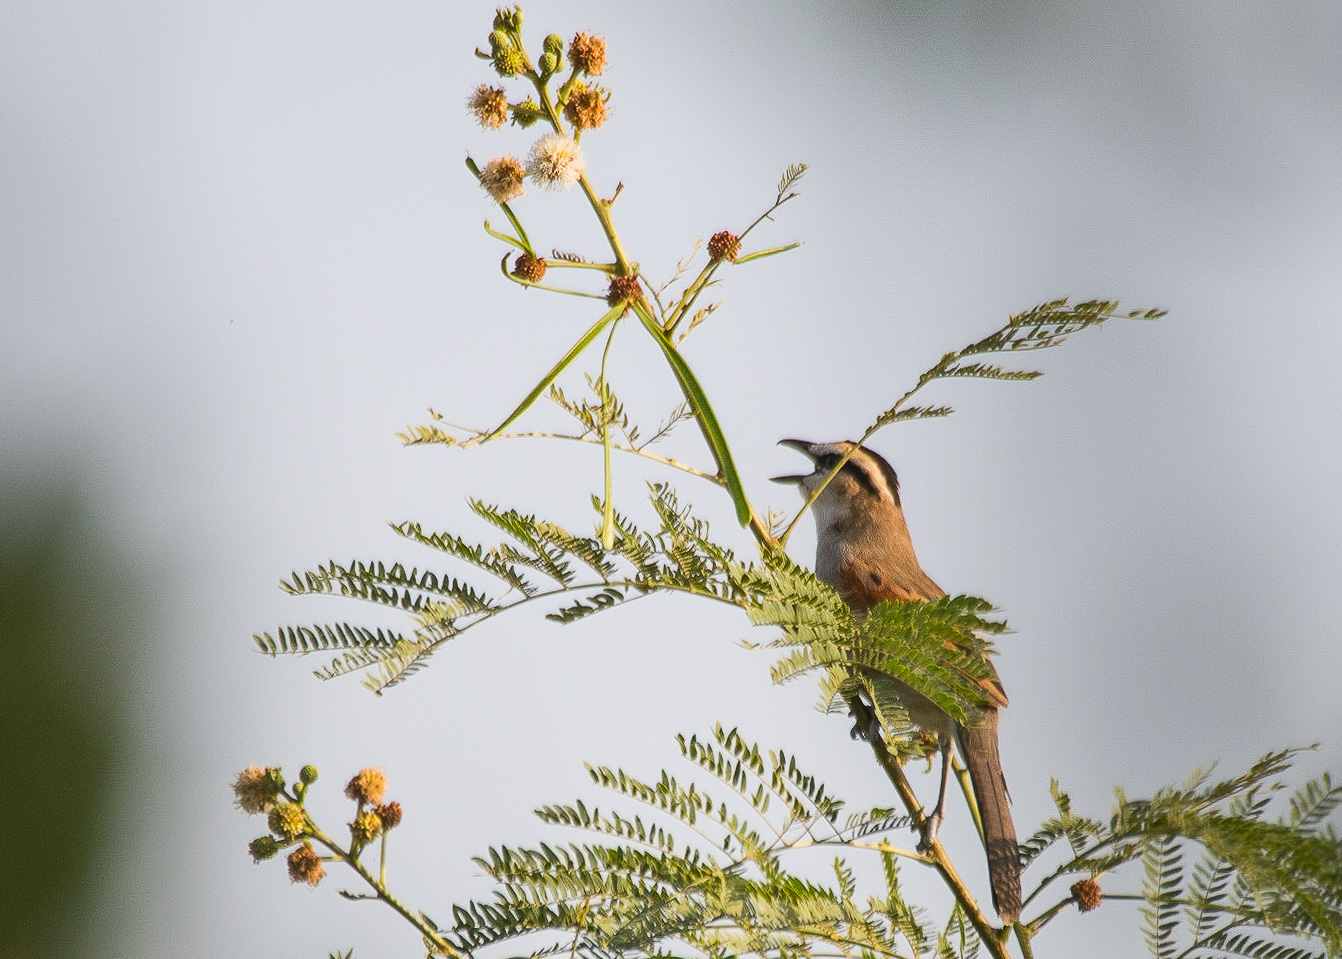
937	857
380	889
1023	934
608	503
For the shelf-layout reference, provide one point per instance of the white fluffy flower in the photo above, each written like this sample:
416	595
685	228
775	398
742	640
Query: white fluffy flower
555	162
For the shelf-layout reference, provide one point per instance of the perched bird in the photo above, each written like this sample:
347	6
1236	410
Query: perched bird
864	552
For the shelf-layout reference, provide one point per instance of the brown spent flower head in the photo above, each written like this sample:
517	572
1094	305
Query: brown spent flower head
530	268
502	178
367	786
555	162
588	54
624	289
305	865
390	814
256	788
287	820
586	108
365	828
263	848
489	105
724	246
1087	894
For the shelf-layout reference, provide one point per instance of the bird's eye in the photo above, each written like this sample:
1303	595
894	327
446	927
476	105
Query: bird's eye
828	461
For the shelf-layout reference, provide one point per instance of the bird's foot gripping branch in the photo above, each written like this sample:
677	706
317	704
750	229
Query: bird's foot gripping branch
716	865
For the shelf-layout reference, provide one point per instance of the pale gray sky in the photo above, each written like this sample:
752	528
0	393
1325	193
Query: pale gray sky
240	250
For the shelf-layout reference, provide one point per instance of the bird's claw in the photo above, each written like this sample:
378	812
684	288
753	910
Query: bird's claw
931	826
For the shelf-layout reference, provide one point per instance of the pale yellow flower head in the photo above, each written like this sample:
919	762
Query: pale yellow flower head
502	178
489	105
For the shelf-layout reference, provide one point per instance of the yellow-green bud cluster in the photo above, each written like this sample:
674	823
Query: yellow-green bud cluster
505	19
508	62
263	848
525	113
365	828
287	820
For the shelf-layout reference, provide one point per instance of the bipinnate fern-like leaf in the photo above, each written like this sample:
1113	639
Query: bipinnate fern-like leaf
649	893
1163	862
1259	887
703	869
1040	327
935	647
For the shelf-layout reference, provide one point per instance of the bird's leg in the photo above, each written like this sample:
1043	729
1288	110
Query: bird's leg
933	822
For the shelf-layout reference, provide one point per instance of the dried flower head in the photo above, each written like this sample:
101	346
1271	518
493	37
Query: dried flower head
367	786
586	108
555	162
624	289
724	246
1087	894
305	865
390	814
287	820
263	848
502	178
489	105
256	788
588	54
530	268
365	828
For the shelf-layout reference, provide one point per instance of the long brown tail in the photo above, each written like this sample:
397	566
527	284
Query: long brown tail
978	745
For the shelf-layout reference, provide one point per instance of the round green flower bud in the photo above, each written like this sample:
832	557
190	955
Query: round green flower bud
554	43
498	40
549	63
308	774
263	848
508	62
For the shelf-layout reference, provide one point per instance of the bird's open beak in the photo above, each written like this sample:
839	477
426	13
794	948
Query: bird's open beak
801	446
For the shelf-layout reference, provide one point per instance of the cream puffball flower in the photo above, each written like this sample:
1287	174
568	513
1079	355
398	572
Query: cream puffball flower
555	162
